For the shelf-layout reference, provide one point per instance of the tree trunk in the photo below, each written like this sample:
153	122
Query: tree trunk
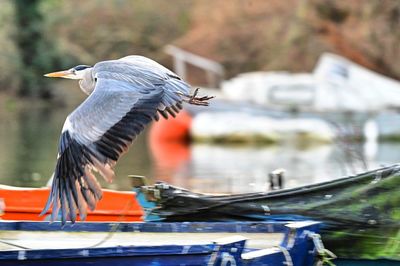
35	52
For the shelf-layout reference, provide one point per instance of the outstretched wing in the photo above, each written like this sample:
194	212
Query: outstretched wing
145	72
102	128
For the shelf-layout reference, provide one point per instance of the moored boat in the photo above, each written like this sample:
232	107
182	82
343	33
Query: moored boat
26	204
359	213
242	243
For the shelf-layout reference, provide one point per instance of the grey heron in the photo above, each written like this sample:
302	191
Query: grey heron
124	96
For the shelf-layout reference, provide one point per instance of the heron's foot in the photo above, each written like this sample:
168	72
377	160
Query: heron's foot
193	99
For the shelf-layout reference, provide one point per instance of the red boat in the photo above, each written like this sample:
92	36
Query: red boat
26	204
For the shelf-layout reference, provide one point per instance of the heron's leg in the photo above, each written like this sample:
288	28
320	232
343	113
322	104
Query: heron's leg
193	99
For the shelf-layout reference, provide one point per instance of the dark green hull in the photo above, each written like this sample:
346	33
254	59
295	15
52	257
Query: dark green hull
361	213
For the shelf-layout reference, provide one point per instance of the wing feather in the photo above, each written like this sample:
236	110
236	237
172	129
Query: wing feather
150	72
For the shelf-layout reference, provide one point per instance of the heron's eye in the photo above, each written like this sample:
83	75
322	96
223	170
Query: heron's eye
73	71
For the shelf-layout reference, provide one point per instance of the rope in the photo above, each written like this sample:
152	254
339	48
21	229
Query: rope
114	227
13	245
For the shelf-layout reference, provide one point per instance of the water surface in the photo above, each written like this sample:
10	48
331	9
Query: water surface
29	140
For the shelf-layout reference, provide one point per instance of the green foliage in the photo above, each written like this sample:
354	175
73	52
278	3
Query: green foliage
37	55
9	61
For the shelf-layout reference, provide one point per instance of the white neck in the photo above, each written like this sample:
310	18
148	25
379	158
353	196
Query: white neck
87	81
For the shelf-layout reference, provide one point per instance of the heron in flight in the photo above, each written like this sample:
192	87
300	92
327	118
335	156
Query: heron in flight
124	96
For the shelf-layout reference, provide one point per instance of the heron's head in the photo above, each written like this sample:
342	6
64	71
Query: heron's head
72	73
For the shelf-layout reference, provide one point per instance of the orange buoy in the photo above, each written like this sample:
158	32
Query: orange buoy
168	141
177	129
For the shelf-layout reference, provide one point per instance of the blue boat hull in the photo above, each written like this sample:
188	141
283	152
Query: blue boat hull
297	247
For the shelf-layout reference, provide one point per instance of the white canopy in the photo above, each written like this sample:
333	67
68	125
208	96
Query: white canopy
336	84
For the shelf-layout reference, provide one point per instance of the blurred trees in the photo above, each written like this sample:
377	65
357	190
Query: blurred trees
45	35
91	31
36	53
244	36
290	35
8	54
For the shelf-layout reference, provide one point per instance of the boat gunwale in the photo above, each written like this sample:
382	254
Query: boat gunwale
181	227
115	251
392	169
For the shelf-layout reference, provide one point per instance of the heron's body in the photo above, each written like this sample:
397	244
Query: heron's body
124	96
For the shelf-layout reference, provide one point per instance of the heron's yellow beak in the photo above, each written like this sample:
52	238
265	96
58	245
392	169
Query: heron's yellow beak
60	74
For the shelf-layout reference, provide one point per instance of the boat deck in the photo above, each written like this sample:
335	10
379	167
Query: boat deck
17	240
